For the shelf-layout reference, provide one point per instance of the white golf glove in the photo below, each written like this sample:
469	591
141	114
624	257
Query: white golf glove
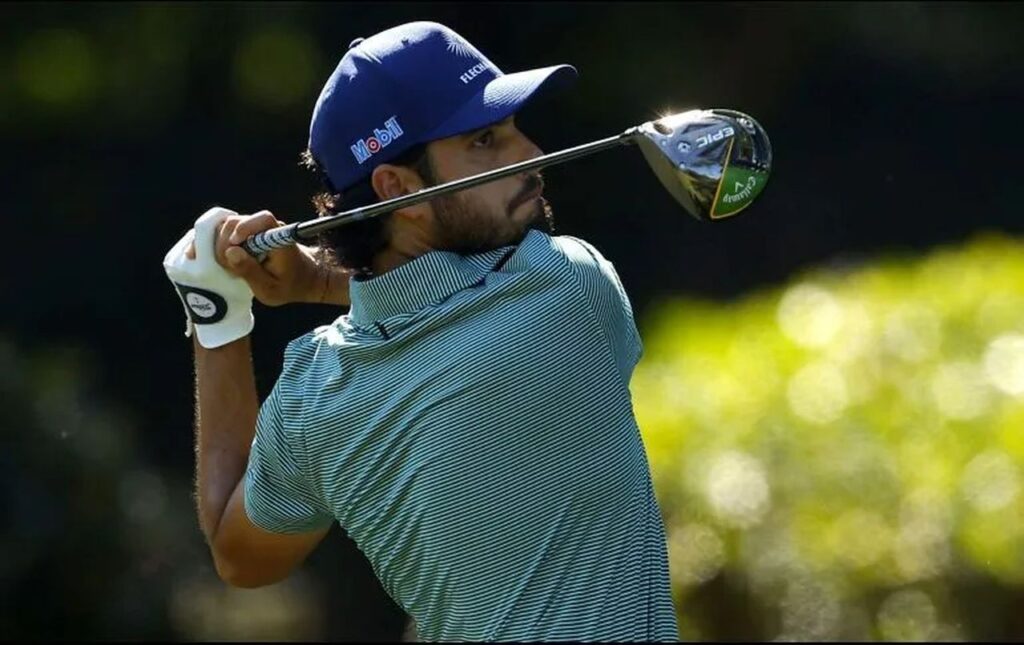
217	304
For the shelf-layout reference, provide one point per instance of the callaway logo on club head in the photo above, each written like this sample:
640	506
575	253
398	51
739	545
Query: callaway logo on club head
204	307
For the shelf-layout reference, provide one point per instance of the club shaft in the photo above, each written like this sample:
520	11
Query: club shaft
292	233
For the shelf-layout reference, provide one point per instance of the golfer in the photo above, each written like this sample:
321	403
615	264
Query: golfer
468	422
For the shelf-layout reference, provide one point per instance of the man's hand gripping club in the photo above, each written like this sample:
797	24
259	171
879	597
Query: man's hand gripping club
216	278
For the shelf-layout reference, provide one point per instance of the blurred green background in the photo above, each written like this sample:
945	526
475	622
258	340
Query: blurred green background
841	457
832	390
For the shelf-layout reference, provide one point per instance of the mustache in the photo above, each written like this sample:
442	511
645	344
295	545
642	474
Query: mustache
534	181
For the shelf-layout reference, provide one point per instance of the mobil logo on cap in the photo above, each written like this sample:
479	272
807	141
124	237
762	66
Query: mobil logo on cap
366	148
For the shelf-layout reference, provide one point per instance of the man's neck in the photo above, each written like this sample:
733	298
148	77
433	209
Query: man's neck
392	258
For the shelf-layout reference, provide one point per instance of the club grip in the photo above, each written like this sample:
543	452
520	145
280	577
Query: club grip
276	238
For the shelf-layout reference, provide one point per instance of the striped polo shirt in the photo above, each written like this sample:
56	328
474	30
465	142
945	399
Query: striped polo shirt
469	424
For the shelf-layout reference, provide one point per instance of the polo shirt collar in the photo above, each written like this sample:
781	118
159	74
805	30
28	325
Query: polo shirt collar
429	279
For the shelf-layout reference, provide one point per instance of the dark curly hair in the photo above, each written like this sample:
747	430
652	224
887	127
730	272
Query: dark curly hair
353	246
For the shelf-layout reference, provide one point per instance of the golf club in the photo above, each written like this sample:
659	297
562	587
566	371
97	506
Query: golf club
713	162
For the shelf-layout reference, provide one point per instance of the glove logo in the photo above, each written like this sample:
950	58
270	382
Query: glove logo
201	305
204	307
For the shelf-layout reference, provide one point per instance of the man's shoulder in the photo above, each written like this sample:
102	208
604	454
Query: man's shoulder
580	251
576	252
573	259
312	347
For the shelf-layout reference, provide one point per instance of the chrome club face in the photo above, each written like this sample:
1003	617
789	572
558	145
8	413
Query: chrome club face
713	162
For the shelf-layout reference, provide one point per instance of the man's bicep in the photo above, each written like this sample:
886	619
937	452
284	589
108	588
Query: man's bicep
249	556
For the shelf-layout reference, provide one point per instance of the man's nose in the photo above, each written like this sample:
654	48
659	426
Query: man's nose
528	150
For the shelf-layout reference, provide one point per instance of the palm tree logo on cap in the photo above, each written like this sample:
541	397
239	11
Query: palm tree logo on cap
458	45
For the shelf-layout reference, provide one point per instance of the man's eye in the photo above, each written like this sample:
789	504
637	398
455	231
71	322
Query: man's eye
484	139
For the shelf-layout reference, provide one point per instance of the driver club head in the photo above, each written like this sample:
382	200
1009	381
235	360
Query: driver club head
714	162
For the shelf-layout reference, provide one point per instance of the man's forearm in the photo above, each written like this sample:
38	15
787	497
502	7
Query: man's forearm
226	411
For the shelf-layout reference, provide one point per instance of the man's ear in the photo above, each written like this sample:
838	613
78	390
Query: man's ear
391	181
394	181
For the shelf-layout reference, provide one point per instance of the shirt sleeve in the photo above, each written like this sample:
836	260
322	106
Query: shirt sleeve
278	495
608	301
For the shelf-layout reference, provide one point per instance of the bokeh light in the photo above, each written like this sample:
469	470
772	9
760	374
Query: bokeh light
991	481
922	548
276	69
912	334
58	69
142	495
204	609
737	489
960	390
809	315
811	611
907	615
698	554
1004	364
818	393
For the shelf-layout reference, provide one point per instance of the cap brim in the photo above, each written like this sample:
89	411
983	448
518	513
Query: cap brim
503	97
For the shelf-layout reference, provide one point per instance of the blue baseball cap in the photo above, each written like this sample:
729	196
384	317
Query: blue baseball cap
409	85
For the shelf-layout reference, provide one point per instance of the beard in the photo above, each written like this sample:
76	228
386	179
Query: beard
466	230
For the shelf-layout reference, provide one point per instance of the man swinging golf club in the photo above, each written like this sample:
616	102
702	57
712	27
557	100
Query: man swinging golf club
468	421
